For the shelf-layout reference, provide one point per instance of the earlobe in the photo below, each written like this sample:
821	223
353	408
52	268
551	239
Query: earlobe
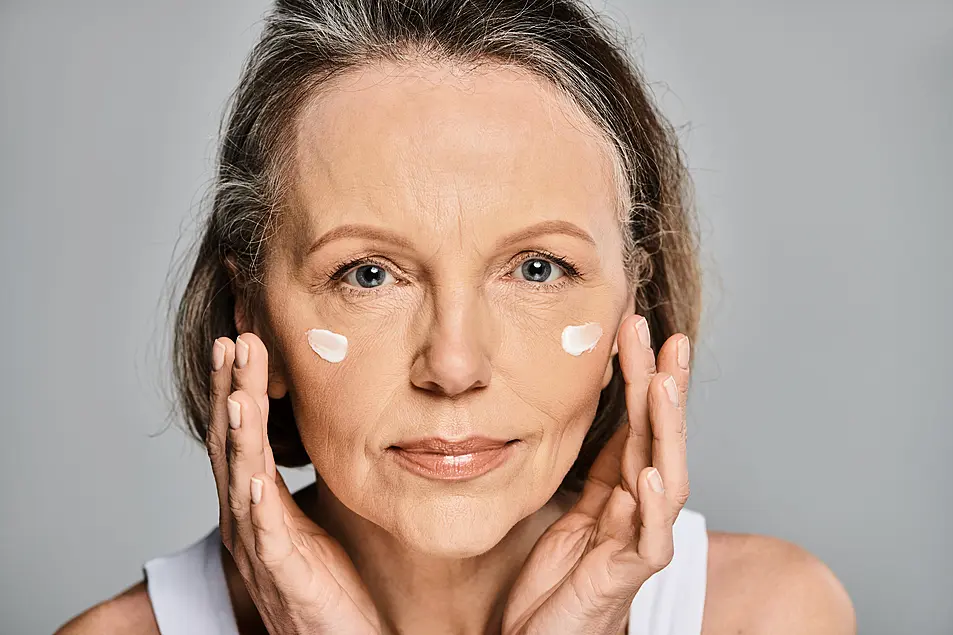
277	388
242	323
607	376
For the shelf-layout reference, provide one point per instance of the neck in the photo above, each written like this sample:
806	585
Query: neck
413	593
419	593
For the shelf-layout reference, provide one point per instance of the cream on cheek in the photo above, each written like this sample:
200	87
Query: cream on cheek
328	345
582	338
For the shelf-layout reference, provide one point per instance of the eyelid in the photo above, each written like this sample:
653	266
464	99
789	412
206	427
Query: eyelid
353	270
570	272
344	269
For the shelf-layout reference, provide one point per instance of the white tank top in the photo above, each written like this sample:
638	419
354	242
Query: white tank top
189	594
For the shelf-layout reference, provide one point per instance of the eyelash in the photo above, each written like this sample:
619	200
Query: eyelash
571	273
571	276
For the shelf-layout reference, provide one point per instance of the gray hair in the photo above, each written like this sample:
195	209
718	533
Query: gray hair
307	43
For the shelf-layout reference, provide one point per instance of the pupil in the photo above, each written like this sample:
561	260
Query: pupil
536	270
370	275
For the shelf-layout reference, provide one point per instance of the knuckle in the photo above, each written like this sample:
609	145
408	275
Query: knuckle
226	534
237	508
267	555
214	446
237	504
660	558
236	449
682	494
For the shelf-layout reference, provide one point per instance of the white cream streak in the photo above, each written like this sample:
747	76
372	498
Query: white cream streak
579	339
330	346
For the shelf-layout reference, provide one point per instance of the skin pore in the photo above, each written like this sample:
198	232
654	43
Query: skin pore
440	187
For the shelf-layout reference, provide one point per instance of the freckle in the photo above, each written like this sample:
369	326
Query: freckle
328	345
582	338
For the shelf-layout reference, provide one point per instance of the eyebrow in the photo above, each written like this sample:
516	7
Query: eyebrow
545	228
371	232
360	231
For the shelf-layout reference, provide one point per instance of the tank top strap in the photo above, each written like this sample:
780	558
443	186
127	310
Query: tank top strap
672	601
188	591
189	594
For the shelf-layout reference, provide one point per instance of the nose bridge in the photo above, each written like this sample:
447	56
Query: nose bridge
455	358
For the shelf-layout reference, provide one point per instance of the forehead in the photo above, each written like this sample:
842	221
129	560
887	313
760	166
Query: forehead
435	151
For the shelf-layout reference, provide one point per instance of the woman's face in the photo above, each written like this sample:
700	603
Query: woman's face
450	227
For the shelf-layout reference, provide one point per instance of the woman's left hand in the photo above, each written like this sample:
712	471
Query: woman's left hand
585	570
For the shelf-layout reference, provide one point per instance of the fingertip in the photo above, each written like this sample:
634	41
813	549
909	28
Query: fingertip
257	485
675	358
671	390
654	480
255	345
684	352
635	349
655	535
234	412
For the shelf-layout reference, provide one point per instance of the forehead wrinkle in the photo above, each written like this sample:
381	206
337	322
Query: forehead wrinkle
432	130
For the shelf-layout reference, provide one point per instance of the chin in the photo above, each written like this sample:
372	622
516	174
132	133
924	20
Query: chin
456	526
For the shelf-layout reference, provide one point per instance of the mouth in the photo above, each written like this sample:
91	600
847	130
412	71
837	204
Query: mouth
445	460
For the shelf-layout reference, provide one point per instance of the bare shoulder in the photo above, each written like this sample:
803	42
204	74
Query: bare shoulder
758	584
129	612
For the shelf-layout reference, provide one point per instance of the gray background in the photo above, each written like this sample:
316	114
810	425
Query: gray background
819	135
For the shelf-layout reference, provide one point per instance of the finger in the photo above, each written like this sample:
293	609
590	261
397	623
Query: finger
274	547
637	361
669	447
220	385
251	376
655	543
674	358
245	457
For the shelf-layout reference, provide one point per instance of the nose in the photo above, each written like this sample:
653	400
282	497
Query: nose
453	360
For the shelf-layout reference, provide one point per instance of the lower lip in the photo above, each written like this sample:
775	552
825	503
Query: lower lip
452	468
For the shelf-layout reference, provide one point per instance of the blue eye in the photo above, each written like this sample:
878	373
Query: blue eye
539	270
368	276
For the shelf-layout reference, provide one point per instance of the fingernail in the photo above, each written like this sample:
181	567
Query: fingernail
643	328
234	414
256	486
672	390
241	352
218	356
684	353
655	481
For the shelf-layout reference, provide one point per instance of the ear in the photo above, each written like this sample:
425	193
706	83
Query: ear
277	382
629	310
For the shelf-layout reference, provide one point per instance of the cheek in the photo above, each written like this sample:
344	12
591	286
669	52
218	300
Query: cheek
340	405
554	389
561	343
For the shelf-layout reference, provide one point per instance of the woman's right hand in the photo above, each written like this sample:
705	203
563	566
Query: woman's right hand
299	577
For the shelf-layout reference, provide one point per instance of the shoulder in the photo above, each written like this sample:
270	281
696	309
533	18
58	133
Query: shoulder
129	613
758	584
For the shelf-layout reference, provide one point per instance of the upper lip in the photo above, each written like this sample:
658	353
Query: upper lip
437	445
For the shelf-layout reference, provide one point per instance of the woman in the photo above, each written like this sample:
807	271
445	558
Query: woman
451	263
